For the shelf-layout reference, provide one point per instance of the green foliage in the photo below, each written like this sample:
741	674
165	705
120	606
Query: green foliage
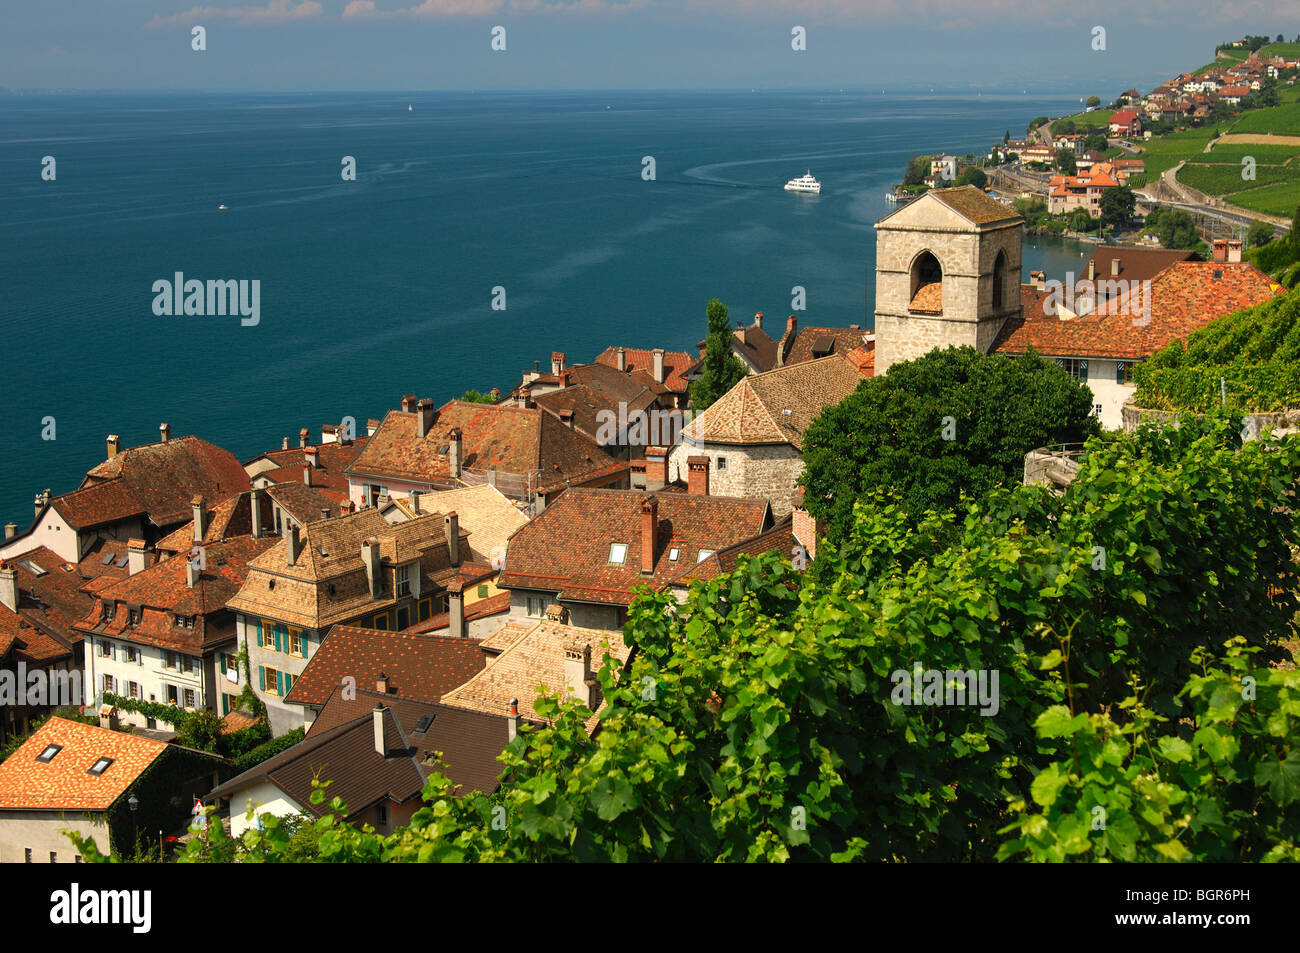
1096	141
1093	101
972	175
890	432
918	168
199	729
721	368
1034	124
1255	350
1174	227
1033	211
1117	206
1260	234
269	749
477	397
1226	179
1065	161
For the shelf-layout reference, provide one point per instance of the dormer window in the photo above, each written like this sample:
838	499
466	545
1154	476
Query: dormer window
100	766
134	615
403	581
106	613
617	554
48	754
185	621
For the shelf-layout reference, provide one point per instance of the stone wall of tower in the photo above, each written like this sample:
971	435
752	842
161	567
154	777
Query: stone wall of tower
967	255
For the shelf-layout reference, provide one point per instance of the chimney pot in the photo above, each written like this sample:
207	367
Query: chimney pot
306	476
9	586
621	362
425	417
164	432
11	530
312	456
284	443
374	572
381	683
408	403
526	396
656	468
1234	250
415	502
381	747
255	508
512	718
454	453
200	518
137	556
659	365
456	626
649	533
577	670
114	445
758	320
1092	269
557	362
191	573
303	434
1114	266
1220	250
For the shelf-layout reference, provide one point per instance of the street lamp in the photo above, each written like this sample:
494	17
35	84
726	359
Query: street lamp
133	803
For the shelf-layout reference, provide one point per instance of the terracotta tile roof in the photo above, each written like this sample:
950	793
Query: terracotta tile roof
536	658
162	592
492	605
567	547
812	343
417	665
504	637
779	539
330	556
928	298
328	476
636	388
305	504
1123	116
513	440
236	721
64	783
1135	264
345	755
103	558
972	204
158	479
483	510
863	359
753	411
229	518
756	345
676	363
50	601
1185	296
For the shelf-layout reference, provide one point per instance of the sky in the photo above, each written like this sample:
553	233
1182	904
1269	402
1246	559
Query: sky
360	45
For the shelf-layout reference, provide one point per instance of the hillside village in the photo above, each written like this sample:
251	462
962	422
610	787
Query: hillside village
370	605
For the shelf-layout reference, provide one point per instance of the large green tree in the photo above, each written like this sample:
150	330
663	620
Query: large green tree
954	421
1117	206
721	369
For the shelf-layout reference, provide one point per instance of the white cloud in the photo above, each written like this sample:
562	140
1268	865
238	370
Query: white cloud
276	11
450	9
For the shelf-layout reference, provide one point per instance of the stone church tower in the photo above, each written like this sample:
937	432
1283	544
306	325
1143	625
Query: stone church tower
947	273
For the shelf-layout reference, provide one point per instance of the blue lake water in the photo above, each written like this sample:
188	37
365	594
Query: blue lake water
383	286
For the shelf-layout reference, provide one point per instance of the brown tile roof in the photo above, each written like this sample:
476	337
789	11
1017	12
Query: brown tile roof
636	388
536	658
757	345
492	605
928	298
93	565
752	412
1184	297
975	206
330	555
417	665
863	359
346	756
567	547
63	784
305	504
236	721
812	343
484	511
1135	264
676	363
514	440
779	539
162	592
229	518
328	476
49	604
158	479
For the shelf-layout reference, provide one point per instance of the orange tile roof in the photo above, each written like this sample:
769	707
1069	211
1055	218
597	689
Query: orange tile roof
64	784
49	604
676	363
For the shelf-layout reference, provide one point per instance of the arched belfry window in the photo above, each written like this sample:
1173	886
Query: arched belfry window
999	280
927	285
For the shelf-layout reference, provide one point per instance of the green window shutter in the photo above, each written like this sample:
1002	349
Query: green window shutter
279	683
1119	372
1083	370
303	639
261	677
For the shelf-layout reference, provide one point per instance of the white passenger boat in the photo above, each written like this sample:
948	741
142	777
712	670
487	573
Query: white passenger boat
805	183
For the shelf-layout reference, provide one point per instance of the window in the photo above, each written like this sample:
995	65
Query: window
77	859
169	660
380	621
1076	367
106	649
482	591
106	611
134	615
268	634
48	754
189	698
673	554
536	606
617	553
403	581
100	766
1123	372
1096	410
403	617
133	690
373	492
185	664
173	695
296	644
381	813
722	463
27	855
132	653
185	621
54	857
704	554
272	685
425	722
108	683
426	606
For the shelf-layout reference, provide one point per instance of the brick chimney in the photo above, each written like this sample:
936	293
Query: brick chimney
312	456
255	511
557	362
164	432
408	404
1234	250
656	468
374	573
137	556
303	434
577	670
454	453
649	533
425	416
698	480
620	361
1221	250
456	626
114	445
525	397
659	364
9	586
512	718
11	530
294	546
758	320
381	683
200	517
451	527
